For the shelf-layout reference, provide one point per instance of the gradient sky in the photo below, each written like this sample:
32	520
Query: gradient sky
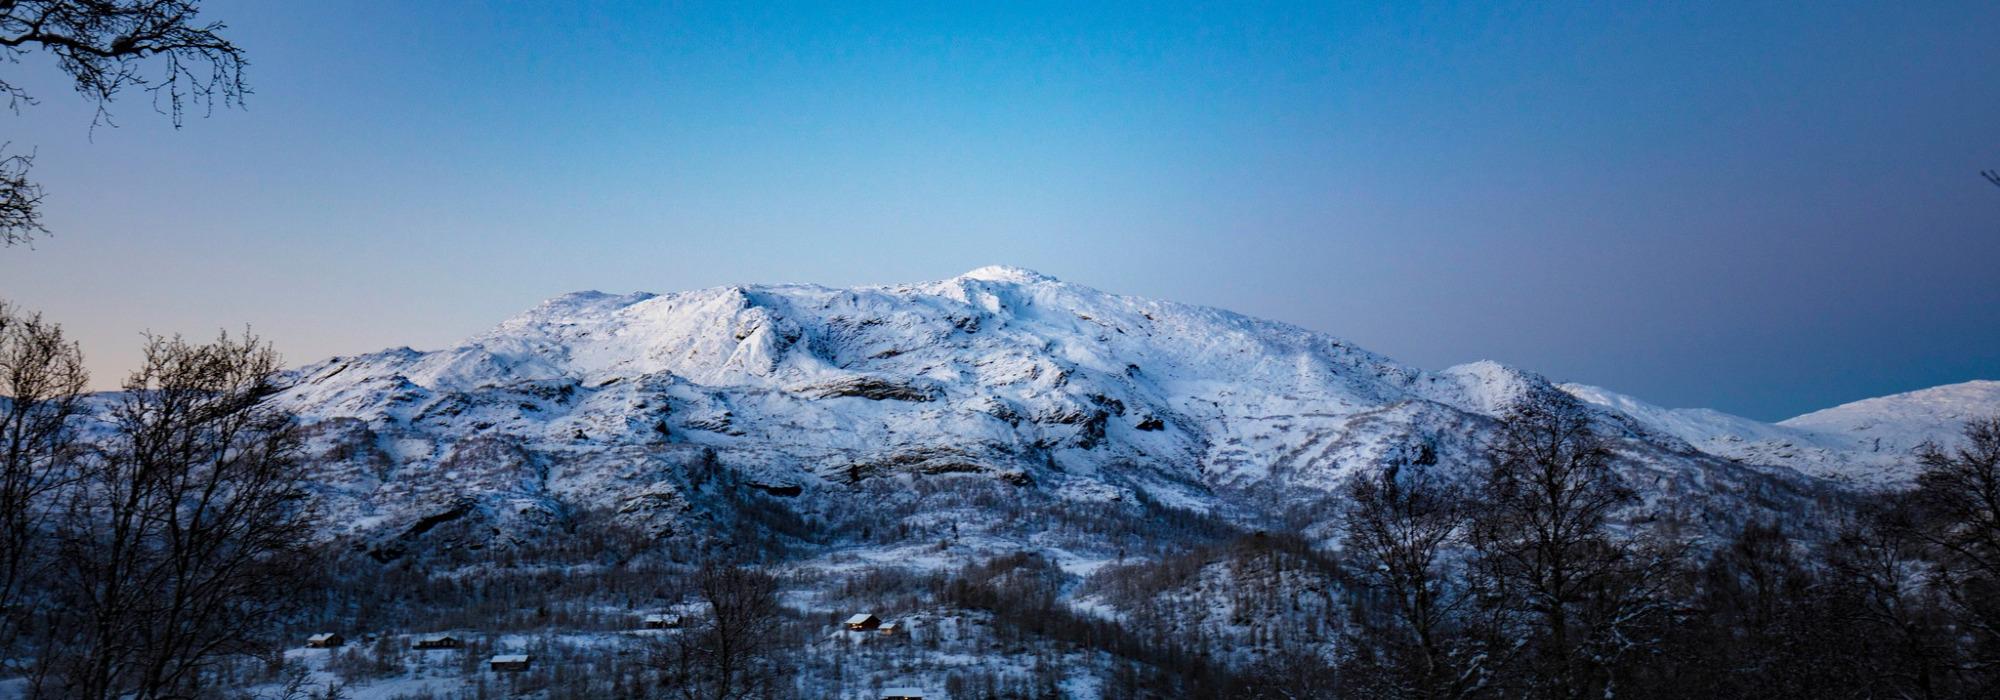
1764	209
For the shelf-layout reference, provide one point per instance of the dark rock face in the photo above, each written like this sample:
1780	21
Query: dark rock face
872	388
783	491
391	549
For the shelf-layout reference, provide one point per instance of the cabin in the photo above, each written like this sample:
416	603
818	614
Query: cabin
902	694
890	628
663	621
509	662
862	622
325	640
438	641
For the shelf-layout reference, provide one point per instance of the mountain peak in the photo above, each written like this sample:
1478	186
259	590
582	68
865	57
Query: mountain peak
1007	273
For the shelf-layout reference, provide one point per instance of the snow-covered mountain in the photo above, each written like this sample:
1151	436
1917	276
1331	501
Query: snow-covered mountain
1866	443
1898	423
1005	375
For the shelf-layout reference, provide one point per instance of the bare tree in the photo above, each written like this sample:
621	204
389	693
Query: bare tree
42	380
729	654
1876	585
1562	591
107	47
1400	525
187	536
1958	504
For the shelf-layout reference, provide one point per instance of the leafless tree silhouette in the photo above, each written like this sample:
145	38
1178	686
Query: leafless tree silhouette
41	388
186	537
1570	593
1400	528
1958	495
728	654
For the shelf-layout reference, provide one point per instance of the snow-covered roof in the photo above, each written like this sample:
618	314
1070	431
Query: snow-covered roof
902	692
859	618
510	658
662	617
321	637
436	637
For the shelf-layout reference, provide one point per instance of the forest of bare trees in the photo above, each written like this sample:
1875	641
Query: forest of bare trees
1556	599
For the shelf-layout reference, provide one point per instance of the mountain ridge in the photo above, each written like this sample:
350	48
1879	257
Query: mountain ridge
1864	443
594	400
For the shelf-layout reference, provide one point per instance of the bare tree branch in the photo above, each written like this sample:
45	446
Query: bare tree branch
107	47
20	199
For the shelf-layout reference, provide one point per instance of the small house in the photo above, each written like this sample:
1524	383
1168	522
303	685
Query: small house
438	641
325	640
902	694
663	621
862	622
891	628
509	662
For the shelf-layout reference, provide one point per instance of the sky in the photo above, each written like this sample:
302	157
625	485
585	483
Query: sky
1760	208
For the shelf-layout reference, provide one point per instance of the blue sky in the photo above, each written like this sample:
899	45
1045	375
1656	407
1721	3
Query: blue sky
1760	208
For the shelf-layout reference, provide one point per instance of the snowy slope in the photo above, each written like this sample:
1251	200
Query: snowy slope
1866	443
594	400
998	361
1000	371
1906	419
1899	423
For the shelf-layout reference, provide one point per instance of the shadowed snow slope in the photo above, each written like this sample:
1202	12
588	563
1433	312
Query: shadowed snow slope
600	400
